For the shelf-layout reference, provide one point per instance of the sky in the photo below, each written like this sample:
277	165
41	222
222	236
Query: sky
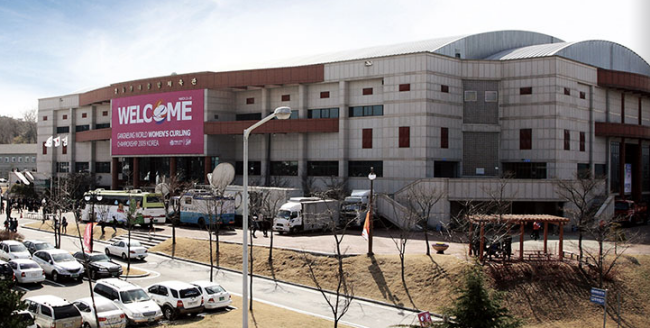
58	47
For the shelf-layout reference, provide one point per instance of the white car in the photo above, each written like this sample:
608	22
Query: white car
59	263
121	248
53	311
108	314
132	299
11	249
176	298
214	295
27	271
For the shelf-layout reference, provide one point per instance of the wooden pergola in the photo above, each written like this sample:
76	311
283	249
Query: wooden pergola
520	219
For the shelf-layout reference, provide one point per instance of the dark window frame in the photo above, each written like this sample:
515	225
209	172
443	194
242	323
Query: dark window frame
322	168
324	94
367	91
444	137
404	137
582	141
366	138
525	139
362	168
526	91
404	87
284	168
567	140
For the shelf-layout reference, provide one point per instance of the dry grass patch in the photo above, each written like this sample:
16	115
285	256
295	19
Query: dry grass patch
72	230
133	272
262	316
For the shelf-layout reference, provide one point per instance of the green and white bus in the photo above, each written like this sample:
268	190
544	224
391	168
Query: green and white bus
115	204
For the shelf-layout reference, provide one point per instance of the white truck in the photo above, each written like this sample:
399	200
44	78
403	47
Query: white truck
354	208
306	214
276	197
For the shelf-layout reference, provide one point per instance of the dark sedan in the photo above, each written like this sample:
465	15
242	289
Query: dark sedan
6	273
37	245
99	265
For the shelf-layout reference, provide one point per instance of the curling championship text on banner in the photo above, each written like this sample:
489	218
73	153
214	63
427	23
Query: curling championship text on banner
158	124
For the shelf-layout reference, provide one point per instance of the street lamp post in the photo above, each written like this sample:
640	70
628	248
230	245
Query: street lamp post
372	176
281	113
92	197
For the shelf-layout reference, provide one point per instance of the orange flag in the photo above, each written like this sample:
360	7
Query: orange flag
366	227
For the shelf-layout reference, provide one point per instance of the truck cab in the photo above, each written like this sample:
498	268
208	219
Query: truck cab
355	207
306	214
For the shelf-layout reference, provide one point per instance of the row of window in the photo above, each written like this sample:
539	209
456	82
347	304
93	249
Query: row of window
314	168
80	128
83	167
472	96
526	139
19	159
83	115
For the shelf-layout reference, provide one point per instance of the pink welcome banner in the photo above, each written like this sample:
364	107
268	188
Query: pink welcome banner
159	124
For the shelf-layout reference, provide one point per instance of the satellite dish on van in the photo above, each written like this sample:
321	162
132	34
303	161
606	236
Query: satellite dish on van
162	188
222	176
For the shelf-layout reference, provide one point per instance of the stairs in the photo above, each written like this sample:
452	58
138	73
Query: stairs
147	240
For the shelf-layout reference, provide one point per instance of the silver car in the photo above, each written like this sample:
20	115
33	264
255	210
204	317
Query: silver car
59	263
27	271
108	313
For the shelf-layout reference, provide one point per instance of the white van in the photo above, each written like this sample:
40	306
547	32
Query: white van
53	311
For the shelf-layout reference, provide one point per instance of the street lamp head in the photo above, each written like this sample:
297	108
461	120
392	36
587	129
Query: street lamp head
372	175
99	197
87	198
282	113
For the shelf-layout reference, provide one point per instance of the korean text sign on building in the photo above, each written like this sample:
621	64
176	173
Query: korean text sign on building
158	124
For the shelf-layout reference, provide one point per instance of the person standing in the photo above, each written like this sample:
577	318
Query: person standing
536	227
64	225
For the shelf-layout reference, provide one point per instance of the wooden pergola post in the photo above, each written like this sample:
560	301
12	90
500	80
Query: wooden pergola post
561	255
545	237
521	240
471	237
480	258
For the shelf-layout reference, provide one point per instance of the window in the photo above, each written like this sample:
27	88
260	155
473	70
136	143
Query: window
103	167
582	141
526	170
324	94
254	167
84	115
323	113
367	91
7	158
20	159
404	137
526	91
567	140
65	117
81	167
600	170
44	152
62	129
491	96
284	168
250	101
526	139
286	97
102	125
62	167
470	96
105	113
362	168
33	159
444	137
80	128
322	168
64	149
404	87
360	111
583	95
46	311
444	88
366	138
567	91
13	159
583	171
44	118
248	117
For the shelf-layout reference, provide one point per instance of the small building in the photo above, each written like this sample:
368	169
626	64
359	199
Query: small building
19	157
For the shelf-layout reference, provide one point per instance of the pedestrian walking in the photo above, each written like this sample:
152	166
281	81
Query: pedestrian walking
64	225
536	227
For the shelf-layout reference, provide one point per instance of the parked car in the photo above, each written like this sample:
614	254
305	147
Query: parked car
176	298
214	295
27	317
6	273
121	248
27	271
59	263
37	245
108	314
53	311
99	264
12	249
132	299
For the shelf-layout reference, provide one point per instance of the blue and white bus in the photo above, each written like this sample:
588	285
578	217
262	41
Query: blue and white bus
198	207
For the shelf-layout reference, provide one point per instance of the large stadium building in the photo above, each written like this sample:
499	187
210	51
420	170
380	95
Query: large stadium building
452	113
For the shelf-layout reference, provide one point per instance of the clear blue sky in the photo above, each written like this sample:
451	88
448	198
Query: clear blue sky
56	47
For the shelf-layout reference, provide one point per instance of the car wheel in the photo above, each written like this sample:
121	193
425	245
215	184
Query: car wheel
55	276
169	313
124	257
86	325
108	253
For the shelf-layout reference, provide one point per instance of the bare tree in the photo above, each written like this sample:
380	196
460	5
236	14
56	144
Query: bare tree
583	193
309	185
421	202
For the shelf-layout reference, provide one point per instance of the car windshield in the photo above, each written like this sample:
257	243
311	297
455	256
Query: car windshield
29	266
99	258
284	214
190	292
214	289
66	311
17	248
41	246
62	257
105	307
135	295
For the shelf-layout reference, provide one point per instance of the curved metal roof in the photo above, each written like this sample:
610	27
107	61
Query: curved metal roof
598	53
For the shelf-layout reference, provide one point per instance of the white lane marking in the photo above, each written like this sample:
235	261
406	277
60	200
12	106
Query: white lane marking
55	283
